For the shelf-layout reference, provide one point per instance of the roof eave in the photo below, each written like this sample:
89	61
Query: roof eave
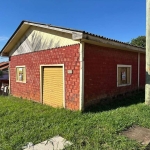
87	38
24	26
14	38
76	35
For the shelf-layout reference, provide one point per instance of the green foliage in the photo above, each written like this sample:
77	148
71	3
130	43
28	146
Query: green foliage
23	121
139	41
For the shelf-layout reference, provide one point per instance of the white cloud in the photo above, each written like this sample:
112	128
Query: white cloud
3	38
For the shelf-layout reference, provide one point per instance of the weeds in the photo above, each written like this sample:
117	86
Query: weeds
23	121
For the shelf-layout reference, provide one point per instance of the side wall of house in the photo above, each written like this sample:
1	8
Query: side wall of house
100	74
67	55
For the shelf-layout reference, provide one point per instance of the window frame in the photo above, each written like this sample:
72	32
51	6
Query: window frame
124	66
24	81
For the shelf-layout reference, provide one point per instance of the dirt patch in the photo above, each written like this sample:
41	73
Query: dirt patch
139	134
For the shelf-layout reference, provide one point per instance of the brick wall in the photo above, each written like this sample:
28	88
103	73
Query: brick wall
68	55
101	72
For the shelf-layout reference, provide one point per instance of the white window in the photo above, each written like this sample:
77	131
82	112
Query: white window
124	75
21	74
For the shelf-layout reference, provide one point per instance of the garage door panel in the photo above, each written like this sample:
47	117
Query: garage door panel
53	86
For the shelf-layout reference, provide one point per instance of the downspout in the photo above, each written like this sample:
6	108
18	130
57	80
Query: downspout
81	76
147	85
9	78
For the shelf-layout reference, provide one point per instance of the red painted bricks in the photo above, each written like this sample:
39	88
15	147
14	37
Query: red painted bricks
100	74
68	55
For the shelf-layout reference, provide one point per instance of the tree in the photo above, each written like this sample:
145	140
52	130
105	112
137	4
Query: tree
139	41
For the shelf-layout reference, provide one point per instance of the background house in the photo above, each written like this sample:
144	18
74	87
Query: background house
4	75
70	68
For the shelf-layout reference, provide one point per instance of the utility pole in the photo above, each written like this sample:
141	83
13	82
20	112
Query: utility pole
147	85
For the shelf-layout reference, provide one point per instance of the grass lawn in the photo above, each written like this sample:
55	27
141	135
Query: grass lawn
23	121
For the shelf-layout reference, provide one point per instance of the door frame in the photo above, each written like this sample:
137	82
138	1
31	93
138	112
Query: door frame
41	80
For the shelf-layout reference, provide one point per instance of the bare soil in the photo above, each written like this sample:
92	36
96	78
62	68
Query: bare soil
140	134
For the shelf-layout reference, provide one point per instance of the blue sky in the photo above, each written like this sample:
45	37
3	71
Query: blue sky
117	19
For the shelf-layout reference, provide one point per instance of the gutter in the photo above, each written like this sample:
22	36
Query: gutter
99	40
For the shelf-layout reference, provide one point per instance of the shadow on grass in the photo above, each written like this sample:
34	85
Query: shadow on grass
122	101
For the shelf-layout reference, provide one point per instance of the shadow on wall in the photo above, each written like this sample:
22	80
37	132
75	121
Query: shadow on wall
147	78
37	42
122	101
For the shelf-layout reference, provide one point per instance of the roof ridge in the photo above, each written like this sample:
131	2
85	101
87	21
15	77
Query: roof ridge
72	30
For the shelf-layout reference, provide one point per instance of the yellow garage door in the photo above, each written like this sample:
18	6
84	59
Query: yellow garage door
53	86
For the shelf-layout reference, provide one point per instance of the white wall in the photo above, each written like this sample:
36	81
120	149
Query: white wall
37	38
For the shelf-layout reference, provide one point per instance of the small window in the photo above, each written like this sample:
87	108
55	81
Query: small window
21	74
123	75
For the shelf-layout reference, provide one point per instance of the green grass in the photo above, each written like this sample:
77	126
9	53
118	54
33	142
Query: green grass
23	121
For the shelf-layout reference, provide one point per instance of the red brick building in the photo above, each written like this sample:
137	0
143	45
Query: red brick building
69	68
